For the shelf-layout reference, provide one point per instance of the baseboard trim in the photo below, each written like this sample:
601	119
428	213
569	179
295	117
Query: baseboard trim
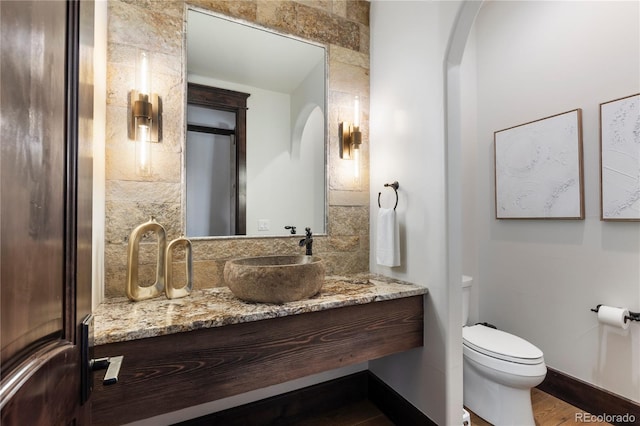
394	406
318	399
588	397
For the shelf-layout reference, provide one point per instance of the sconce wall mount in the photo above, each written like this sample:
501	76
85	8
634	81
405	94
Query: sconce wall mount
350	139
350	135
144	110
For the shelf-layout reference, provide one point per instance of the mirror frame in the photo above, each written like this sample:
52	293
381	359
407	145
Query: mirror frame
183	183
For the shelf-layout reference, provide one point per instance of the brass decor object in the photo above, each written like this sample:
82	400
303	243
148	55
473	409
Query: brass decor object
171	291
133	290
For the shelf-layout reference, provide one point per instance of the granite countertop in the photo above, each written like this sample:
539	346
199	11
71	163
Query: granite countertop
119	320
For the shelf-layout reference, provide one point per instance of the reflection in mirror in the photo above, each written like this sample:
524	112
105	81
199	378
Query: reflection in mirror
215	161
210	160
278	180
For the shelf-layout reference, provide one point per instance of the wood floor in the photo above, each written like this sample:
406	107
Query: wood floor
548	411
361	413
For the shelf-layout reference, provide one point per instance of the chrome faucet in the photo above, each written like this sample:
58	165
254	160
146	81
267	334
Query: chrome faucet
307	241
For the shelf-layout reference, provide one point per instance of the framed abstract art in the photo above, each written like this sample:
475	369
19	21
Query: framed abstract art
538	169
620	159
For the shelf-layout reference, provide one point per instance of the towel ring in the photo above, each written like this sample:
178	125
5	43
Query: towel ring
395	185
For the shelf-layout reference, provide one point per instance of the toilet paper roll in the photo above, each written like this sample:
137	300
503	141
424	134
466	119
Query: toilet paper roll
613	316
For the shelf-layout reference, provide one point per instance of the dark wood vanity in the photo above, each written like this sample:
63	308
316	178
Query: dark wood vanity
169	372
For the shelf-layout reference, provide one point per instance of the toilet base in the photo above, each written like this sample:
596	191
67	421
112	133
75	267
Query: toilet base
494	402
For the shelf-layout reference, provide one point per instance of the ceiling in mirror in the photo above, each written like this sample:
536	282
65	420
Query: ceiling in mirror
240	53
285	80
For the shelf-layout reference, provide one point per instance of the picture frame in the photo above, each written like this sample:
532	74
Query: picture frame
620	159
539	169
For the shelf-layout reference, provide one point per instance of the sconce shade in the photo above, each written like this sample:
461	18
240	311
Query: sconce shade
356	161
144	116
143	72
143	145
356	112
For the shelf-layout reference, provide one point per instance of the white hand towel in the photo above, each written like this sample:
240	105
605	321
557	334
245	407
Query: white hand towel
388	241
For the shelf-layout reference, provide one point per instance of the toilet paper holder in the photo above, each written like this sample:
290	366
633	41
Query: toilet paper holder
633	316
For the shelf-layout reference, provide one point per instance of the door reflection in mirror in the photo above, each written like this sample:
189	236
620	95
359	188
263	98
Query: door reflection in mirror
215	161
210	172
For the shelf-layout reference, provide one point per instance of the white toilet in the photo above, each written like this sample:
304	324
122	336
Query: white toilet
499	371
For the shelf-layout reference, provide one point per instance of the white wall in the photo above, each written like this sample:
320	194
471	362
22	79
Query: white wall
304	99
538	279
469	126
407	137
99	130
279	186
309	204
308	121
268	145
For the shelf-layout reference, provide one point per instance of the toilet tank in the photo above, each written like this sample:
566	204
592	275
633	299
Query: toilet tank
466	290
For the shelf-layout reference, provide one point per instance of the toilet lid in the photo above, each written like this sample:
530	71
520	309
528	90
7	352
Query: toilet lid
501	345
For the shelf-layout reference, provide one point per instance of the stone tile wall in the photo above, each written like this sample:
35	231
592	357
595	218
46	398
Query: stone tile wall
158	27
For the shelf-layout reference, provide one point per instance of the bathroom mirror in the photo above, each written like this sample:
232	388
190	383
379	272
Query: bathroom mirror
275	179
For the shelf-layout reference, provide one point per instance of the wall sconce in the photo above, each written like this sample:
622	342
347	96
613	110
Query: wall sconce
350	139
144	115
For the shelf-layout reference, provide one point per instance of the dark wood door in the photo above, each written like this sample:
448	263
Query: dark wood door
46	107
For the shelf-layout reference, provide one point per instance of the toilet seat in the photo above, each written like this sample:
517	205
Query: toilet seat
501	345
506	370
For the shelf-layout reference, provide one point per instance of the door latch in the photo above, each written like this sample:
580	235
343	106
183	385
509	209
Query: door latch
111	364
89	364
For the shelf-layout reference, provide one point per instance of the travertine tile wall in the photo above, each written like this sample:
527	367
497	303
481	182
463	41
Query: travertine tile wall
158	26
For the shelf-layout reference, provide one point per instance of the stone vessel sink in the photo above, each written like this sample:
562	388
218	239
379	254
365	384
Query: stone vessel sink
274	279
